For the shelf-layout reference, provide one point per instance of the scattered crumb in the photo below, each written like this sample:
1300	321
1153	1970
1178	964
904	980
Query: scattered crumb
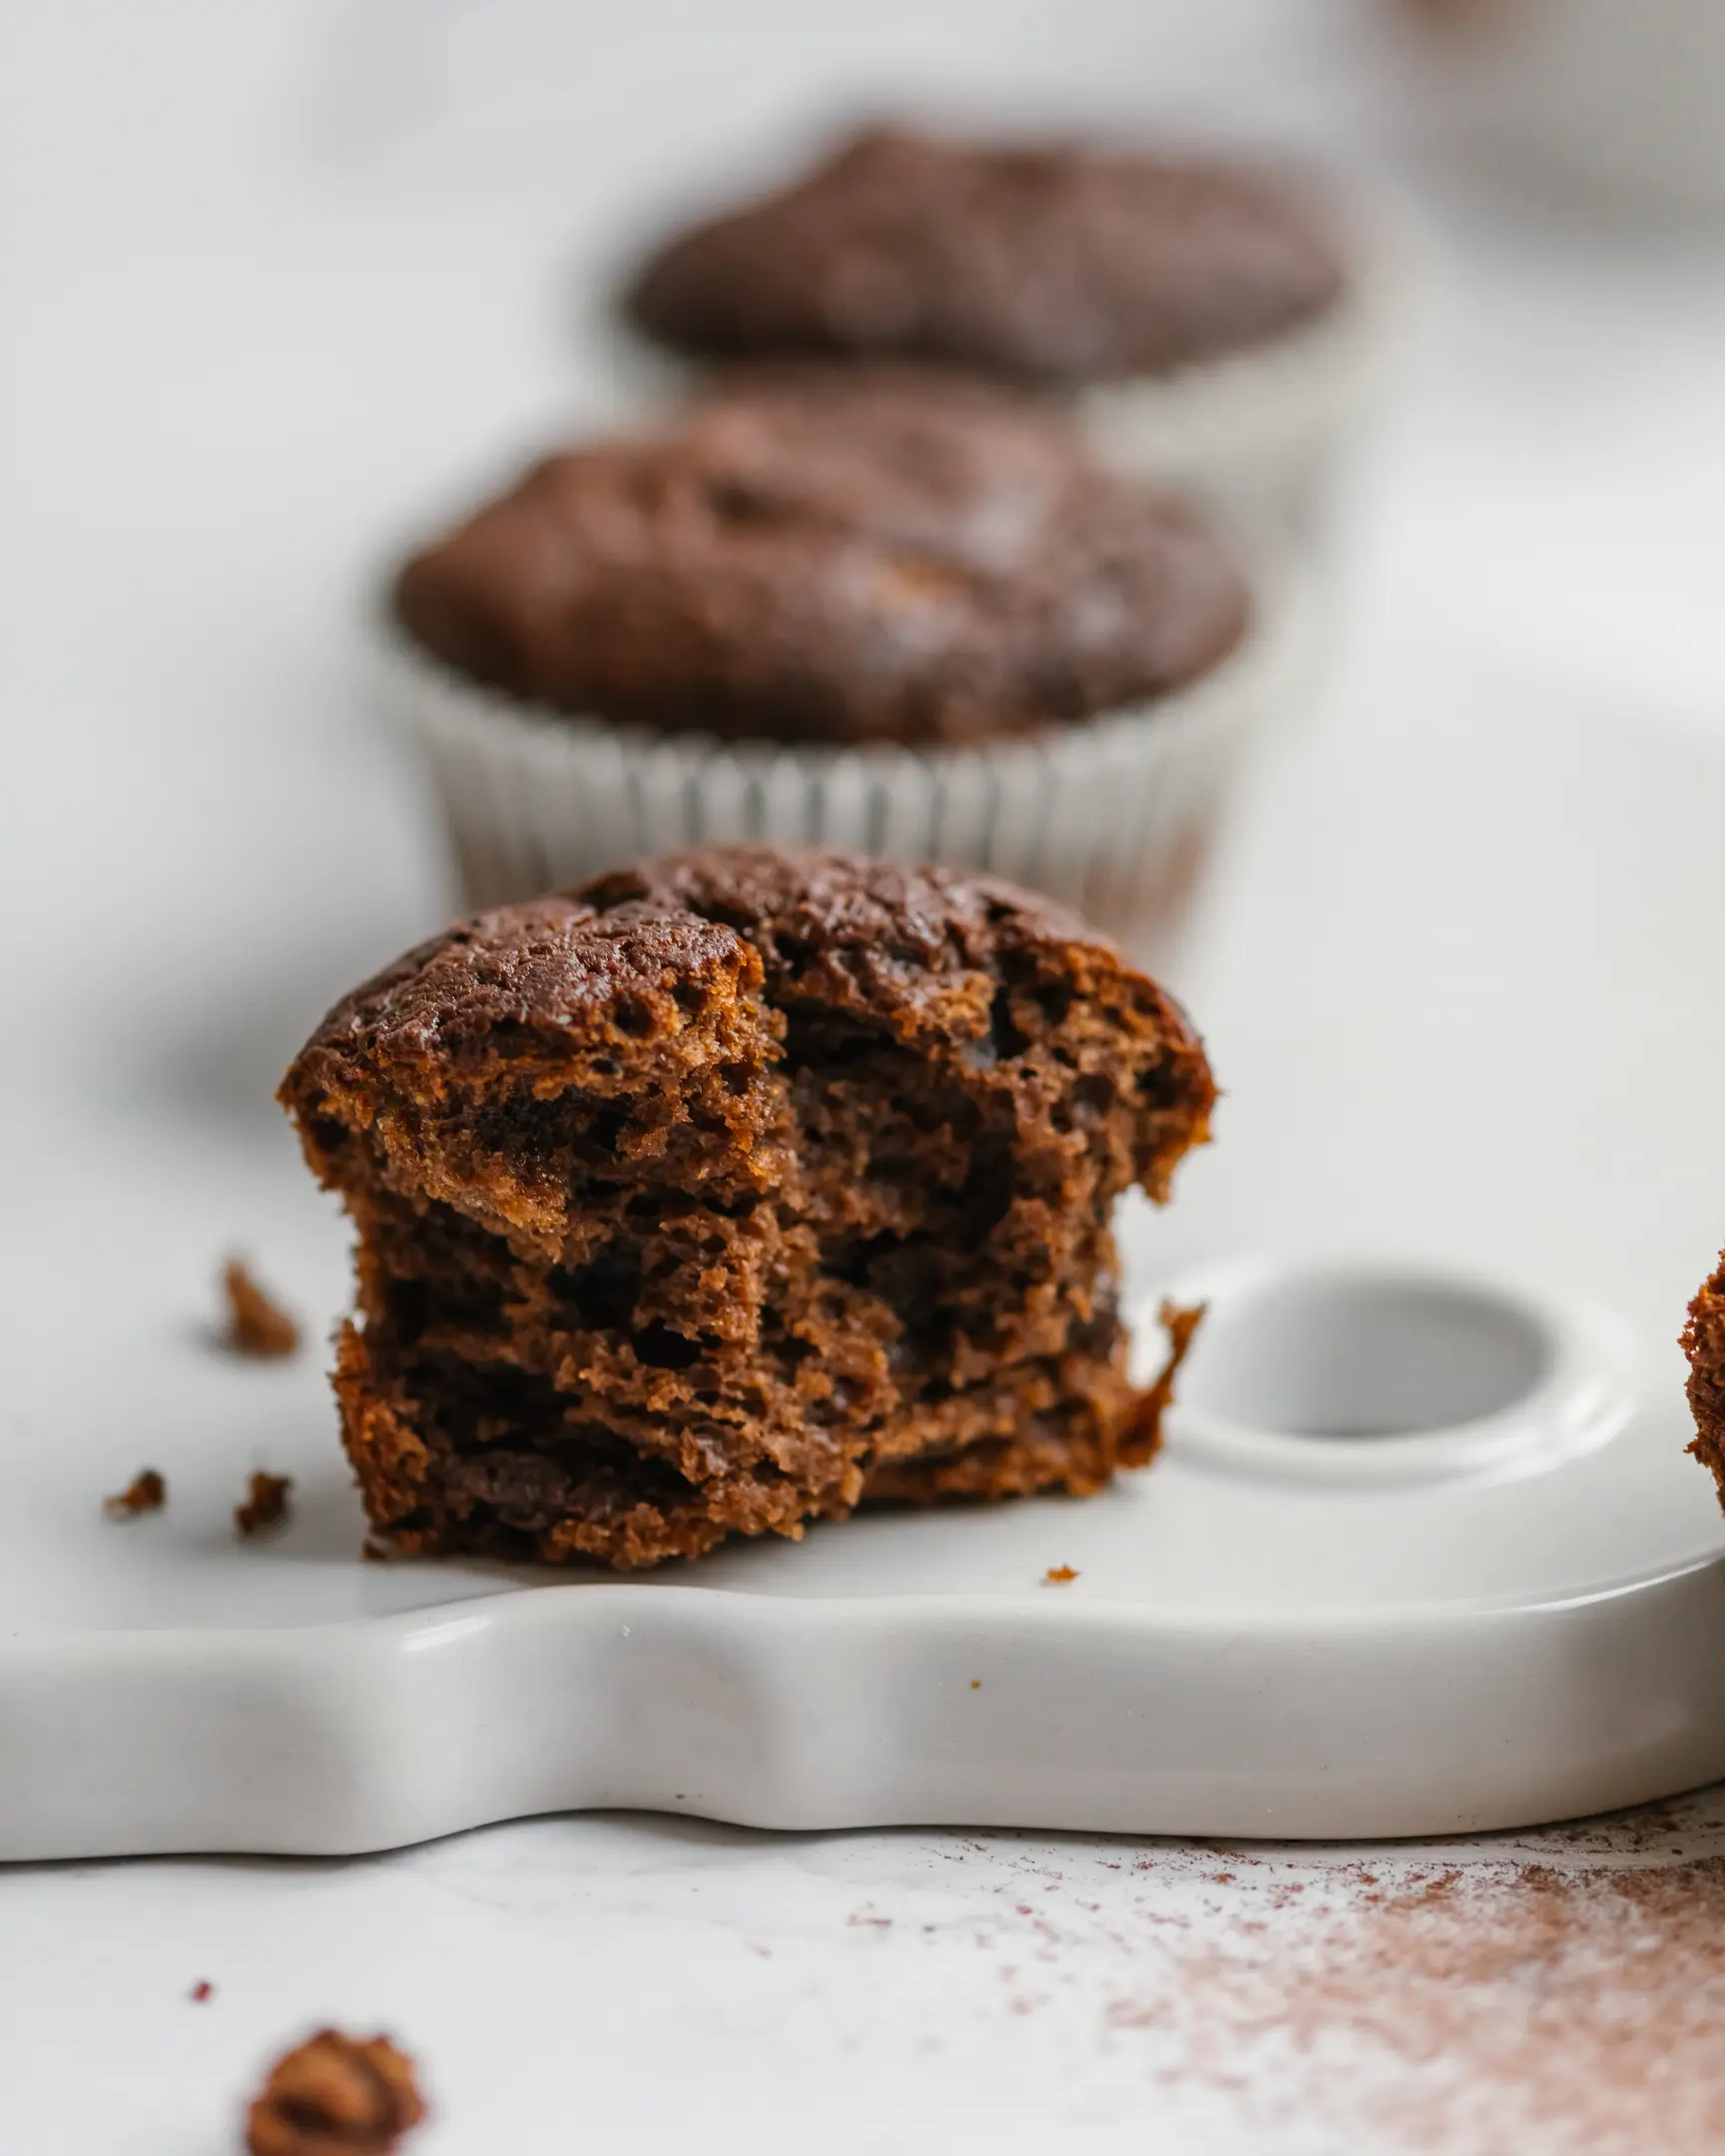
373	1552
257	1325
201	1991
266	1507
976	1684
146	1494
1057	1575
335	2095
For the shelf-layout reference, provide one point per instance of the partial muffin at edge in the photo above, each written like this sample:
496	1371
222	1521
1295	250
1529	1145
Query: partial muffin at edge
1704	1343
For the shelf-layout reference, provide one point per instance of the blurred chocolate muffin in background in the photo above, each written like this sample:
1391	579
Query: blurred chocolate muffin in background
1047	266
841	558
1206	318
894	609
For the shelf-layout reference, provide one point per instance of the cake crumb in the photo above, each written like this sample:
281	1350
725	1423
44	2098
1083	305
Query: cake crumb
976	1684
266	1504
147	1492
1057	1575
257	1325
335	2095
201	1991
373	1552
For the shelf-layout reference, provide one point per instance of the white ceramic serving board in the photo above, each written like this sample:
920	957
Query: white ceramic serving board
1457	984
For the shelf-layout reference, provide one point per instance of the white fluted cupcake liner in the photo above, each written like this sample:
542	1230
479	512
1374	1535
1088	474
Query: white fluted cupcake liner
1114	816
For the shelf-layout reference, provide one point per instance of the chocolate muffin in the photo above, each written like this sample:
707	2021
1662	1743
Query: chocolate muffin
885	556
734	1191
1050	266
1704	1345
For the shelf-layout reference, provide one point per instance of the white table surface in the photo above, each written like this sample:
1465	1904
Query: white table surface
239	351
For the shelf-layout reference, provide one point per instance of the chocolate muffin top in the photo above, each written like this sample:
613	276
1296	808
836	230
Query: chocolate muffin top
842	555
629	960
1050	266
875	934
536	973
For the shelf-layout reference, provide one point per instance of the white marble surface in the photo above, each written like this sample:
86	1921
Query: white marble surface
665	1985
261	304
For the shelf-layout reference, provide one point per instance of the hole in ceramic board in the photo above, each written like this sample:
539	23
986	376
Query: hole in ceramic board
1346	1355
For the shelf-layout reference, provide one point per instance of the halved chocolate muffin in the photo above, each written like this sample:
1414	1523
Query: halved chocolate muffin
737	1189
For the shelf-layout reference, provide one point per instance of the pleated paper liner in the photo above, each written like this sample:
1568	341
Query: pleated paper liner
1113	815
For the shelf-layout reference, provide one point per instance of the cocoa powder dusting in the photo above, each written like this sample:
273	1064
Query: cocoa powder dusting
1483	2009
1547	1992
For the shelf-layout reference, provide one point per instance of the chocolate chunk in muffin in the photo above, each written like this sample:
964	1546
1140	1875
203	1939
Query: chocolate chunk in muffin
810	555
1704	1345
730	1191
1051	265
